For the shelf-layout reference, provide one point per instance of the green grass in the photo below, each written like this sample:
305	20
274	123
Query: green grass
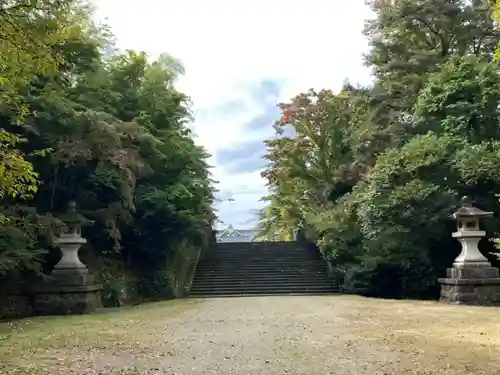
34	345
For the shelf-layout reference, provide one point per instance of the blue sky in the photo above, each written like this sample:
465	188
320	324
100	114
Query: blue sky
242	58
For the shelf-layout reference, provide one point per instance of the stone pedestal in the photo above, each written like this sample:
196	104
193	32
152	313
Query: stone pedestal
67	293
471	285
69	289
472	280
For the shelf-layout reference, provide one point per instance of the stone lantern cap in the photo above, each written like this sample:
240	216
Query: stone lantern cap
468	210
73	219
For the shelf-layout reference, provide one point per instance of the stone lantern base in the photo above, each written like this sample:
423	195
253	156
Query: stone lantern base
471	285
67	292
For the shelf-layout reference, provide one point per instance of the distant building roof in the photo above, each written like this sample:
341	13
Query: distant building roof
231	232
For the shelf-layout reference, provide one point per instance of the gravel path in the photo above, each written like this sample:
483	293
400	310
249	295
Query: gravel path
267	336
306	335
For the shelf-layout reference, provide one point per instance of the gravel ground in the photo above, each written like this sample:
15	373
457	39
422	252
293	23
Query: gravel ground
259	335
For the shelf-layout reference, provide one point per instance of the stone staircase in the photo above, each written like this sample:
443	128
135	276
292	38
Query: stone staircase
261	268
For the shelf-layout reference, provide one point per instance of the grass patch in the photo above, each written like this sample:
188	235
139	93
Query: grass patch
31	345
432	338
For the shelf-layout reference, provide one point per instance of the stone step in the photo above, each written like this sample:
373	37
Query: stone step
263	288
262	269
264	264
260	273
263	255
263	276
248	278
261	260
261	248
262	292
263	281
291	257
236	250
266	283
279	294
255	288
259	244
257	265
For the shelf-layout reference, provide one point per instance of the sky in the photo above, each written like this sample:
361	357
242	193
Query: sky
241	58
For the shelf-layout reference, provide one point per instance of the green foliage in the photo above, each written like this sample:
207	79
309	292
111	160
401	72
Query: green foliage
108	130
17	177
32	34
462	97
373	174
496	17
495	4
22	237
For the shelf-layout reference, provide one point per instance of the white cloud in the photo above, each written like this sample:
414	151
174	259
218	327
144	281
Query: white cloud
226	46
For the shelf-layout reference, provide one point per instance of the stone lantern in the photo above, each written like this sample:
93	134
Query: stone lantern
469	235
70	289
70	241
472	279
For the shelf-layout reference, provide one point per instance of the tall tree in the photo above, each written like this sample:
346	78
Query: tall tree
373	173
411	39
115	136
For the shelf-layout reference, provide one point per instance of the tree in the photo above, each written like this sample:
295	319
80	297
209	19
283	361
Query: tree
115	138
17	177
495	4
372	174
411	39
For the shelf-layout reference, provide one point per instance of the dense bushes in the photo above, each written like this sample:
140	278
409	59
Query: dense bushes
373	174
107	129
